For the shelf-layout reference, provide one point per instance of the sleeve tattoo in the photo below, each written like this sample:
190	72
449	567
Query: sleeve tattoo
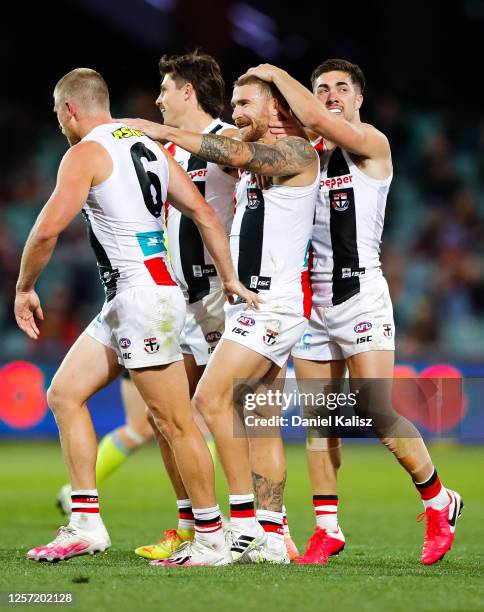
269	494
285	157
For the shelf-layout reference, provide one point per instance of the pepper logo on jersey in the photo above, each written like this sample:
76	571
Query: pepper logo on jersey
151	243
339	201
254	198
362	327
151	345
213	336
270	336
124	343
387	330
245	320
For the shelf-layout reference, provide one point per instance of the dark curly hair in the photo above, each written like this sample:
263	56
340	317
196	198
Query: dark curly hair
203	73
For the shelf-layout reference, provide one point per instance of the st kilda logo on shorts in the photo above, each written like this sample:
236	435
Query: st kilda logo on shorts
151	345
387	330
270	336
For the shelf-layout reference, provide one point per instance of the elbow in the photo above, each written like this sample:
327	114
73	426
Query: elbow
44	234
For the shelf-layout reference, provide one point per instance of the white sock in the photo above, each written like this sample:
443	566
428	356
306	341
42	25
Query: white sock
185	515
326	509
208	527
242	512
85	509
272	524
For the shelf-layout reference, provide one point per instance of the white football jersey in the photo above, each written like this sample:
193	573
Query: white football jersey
269	240
124	214
192	264
348	227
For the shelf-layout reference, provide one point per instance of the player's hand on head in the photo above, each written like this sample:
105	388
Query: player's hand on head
236	288
153	130
27	310
262	182
287	125
265	72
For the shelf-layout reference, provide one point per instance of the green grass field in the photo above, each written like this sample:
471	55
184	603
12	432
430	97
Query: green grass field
379	570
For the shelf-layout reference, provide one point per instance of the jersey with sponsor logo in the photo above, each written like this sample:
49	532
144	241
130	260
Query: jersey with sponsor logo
191	262
269	240
348	226
124	214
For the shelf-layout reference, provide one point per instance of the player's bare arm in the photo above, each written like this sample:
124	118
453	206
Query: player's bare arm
185	196
356	137
286	157
83	165
156	131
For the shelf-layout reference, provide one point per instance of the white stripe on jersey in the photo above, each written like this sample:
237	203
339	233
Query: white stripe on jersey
192	264
270	237
124	214
347	231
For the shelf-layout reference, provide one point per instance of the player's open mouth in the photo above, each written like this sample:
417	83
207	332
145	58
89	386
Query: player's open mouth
335	110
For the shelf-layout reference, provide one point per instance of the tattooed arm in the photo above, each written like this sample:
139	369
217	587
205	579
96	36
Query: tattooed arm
286	157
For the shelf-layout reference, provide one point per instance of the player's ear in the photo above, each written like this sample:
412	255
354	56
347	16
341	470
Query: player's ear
71	107
189	91
359	101
274	108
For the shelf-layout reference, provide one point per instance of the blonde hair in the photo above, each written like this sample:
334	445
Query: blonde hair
85	86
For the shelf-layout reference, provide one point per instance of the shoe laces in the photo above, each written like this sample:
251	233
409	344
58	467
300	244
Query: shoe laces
232	532
63	535
183	550
316	541
432	527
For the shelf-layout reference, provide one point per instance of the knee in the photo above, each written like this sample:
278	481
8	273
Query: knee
208	404
170	426
58	398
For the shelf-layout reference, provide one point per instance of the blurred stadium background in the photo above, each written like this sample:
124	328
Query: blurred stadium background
422	92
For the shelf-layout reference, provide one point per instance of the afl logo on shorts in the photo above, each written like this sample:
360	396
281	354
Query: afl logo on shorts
363	327
124	343
339	201
245	320
213	336
151	345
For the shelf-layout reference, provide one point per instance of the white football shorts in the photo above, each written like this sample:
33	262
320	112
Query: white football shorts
271	331
143	325
362	323
204	326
